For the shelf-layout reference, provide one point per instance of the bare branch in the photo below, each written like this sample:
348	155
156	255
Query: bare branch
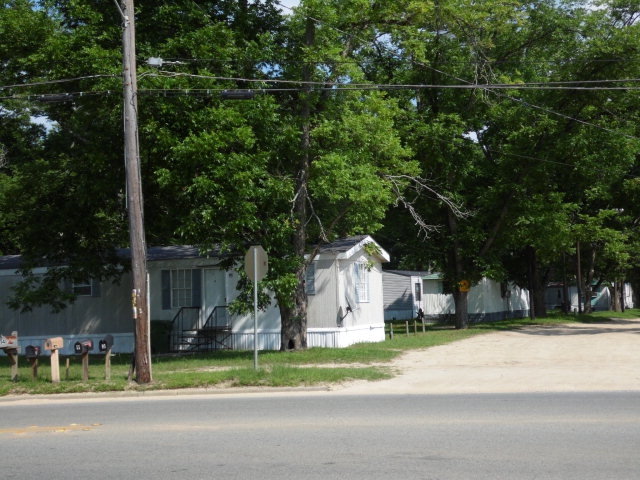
421	187
314	215
3	156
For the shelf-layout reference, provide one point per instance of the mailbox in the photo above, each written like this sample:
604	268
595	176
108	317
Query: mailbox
106	343
55	343
9	342
31	351
83	347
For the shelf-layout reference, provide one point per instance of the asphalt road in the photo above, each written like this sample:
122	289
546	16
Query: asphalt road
551	403
325	435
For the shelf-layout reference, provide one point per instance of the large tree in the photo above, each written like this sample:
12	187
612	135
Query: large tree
537	149
512	177
290	168
313	162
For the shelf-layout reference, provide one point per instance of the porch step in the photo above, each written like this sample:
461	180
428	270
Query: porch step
204	340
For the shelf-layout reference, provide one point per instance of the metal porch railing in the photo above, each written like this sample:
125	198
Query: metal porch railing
189	335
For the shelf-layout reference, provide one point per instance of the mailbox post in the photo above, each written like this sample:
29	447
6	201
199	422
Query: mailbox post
83	348
32	353
54	344
9	344
105	345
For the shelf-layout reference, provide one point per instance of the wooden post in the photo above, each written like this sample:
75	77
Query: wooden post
53	344
9	344
415	327
34	367
66	373
390	330
55	366
12	353
406	325
423	330
85	367
107	365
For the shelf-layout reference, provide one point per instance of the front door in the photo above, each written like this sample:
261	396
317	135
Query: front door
214	290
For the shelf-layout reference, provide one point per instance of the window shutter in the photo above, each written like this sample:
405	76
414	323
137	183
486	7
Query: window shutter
310	279
196	287
166	289
95	287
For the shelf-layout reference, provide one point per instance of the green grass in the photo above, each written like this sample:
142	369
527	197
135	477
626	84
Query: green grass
312	367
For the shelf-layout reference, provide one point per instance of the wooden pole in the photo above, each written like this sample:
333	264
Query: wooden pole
134	197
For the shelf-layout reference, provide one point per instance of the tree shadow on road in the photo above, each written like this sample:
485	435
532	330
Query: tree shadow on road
595	326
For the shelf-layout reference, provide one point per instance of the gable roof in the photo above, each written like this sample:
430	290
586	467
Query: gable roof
342	248
347	247
406	273
10	262
415	273
174	252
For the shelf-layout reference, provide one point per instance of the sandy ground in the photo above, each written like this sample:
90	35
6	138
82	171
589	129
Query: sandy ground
569	358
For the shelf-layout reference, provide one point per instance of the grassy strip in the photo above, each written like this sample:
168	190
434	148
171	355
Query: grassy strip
314	366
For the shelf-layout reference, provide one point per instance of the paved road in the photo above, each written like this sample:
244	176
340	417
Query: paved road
325	435
553	403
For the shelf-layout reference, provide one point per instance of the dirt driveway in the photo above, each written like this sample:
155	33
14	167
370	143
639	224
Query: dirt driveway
574	357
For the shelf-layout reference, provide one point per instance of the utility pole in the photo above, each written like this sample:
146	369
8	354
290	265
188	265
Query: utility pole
139	300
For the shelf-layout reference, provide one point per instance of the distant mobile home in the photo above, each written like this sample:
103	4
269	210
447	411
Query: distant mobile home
186	288
601	297
405	292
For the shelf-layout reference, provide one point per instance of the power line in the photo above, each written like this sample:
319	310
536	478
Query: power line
320	87
58	81
590	85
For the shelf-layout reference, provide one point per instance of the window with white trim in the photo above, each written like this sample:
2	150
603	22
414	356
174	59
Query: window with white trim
181	288
361	273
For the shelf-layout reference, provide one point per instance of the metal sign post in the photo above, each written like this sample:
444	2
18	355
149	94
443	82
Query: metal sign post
256	264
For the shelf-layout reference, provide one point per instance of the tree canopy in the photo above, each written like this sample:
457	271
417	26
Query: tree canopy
474	138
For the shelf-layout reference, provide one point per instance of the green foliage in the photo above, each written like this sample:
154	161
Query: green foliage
531	167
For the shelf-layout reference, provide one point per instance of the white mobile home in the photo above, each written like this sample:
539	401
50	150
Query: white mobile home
602	298
189	293
405	292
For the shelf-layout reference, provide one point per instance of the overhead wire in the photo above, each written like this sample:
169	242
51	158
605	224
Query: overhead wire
496	89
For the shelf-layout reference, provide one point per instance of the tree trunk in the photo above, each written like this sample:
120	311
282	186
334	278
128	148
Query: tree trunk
293	334
537	286
462	309
588	289
460	297
617	296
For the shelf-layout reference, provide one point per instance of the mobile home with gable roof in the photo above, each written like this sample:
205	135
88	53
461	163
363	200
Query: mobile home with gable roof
189	293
